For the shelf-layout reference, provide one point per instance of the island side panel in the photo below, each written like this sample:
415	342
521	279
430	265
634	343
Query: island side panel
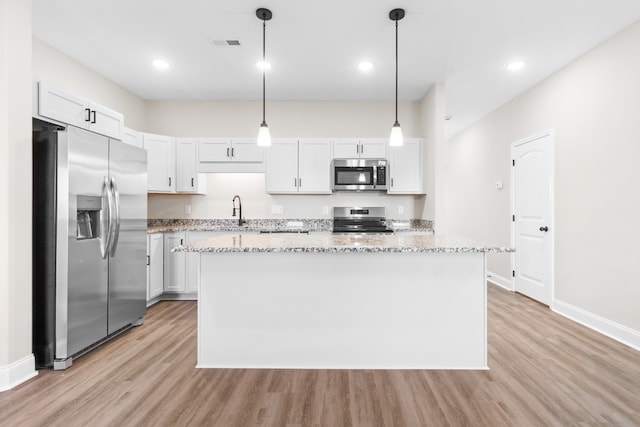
342	310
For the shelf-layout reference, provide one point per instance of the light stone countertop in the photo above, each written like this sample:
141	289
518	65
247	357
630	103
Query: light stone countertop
338	243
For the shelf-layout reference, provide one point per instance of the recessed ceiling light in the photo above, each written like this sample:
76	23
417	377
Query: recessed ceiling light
263	65
160	64
515	65
365	66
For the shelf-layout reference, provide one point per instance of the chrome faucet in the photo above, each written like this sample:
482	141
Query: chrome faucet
241	221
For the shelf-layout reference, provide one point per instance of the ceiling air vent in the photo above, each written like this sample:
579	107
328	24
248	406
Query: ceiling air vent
219	42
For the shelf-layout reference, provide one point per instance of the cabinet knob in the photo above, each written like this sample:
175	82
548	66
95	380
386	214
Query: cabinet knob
545	228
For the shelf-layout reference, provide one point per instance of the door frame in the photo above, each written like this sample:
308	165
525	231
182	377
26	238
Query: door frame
552	220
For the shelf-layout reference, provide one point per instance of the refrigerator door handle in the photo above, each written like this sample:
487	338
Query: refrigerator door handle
116	223
106	231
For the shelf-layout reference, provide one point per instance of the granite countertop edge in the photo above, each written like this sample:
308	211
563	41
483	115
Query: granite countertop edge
347	249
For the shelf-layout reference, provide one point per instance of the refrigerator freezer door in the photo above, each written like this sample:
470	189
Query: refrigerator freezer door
127	261
82	272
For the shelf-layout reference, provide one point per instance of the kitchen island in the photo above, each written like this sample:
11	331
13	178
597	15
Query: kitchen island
341	301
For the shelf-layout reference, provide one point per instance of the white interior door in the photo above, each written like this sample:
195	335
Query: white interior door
533	216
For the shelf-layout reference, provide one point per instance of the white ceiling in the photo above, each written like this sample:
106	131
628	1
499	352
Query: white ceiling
314	46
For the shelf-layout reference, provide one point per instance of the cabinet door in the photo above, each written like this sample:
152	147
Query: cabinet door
174	263
55	104
314	166
346	149
213	150
106	121
133	137
155	269
405	168
160	163
245	150
281	174
186	172
373	149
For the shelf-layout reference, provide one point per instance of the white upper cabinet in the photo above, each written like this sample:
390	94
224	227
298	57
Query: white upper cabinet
188	180
230	155
246	150
172	165
359	148
405	168
59	105
299	167
133	137
282	166
214	150
161	163
314	166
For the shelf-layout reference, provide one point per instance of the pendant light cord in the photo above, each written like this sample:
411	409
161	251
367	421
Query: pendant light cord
396	70
264	69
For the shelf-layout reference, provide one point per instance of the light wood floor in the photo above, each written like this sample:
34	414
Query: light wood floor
545	371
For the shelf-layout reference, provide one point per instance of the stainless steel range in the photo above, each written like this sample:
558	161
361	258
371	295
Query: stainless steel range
362	220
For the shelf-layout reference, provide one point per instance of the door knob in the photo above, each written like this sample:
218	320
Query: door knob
545	228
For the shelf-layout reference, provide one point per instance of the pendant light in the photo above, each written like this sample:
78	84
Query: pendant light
264	138
396	139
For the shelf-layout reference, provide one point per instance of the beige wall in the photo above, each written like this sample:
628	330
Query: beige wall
285	119
432	112
593	105
15	185
58	69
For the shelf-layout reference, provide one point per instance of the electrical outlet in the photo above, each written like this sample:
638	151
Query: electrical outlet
325	210
400	210
187	209
277	209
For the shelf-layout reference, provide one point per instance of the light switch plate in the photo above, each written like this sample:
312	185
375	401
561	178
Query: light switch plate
277	209
325	210
187	209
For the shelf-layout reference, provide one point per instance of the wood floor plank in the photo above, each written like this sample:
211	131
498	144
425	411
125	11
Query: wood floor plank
545	370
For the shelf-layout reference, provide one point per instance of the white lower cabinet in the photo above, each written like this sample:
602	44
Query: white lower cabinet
155	265
174	263
182	269
405	168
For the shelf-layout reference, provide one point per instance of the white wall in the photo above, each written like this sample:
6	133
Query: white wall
285	119
16	359
593	104
58	69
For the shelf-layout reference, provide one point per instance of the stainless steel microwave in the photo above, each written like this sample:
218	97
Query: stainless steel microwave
359	174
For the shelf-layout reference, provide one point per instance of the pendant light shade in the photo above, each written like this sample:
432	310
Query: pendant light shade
264	137
396	140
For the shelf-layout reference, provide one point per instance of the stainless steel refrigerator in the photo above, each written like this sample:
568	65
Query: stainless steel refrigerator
89	241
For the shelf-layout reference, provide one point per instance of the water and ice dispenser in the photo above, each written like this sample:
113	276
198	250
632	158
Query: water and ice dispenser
89	209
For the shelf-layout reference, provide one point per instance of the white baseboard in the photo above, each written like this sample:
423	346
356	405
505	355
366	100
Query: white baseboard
17	372
613	330
503	282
